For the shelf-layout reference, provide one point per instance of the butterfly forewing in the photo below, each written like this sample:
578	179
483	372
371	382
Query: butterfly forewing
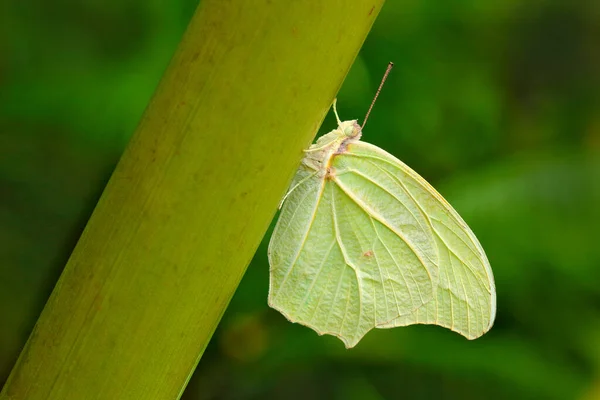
465	299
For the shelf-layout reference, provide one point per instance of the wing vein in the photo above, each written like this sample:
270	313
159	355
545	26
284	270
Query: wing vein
310	289
399	270
304	237
459	258
381	220
462	283
389	276
294	214
352	170
346	259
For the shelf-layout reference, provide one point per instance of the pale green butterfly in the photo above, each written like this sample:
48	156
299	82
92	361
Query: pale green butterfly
364	242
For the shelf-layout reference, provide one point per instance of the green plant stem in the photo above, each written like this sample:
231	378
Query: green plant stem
190	199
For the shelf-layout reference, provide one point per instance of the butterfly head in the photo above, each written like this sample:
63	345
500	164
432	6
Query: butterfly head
350	129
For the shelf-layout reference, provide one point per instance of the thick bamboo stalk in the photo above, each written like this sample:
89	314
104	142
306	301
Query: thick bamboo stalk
190	199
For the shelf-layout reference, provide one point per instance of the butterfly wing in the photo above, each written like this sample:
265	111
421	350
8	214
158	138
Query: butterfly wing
465	295
347	255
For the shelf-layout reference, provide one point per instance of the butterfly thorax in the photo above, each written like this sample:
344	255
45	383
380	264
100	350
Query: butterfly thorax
318	157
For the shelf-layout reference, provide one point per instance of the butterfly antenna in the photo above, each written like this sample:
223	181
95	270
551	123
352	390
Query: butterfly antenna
335	112
387	72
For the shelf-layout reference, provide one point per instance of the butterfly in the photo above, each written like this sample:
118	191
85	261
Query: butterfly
363	242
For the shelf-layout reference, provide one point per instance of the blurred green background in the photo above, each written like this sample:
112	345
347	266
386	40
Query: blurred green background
496	103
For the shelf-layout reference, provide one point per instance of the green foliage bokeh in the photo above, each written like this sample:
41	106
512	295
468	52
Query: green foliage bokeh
495	103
